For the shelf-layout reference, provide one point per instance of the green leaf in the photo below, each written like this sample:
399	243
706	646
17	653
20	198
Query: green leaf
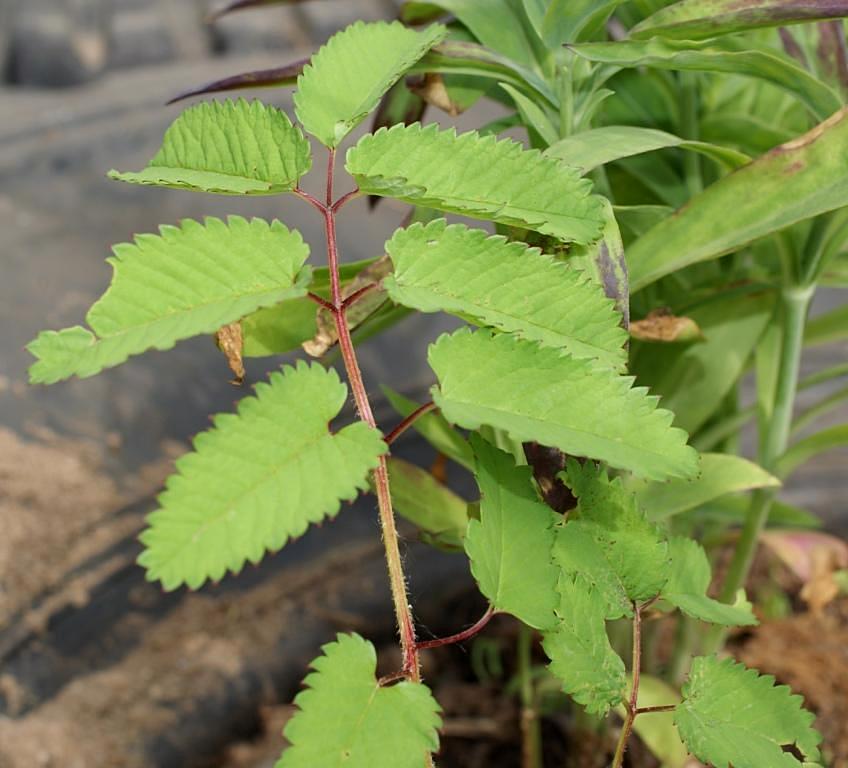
794	182
720	474
733	510
347	77
189	280
229	148
510	545
688	584
592	673
737	57
499	180
699	19
731	715
345	717
568	21
258	478
609	541
434	428
804	450
823	407
505	285
827	328
598	146
537	394
424	501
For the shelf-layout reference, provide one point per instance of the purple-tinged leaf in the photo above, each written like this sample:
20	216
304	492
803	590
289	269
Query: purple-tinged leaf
261	78
700	19
832	52
415	13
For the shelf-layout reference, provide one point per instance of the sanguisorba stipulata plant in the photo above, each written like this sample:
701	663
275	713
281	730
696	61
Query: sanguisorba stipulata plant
542	361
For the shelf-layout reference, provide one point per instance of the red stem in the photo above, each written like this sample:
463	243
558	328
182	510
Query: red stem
321	302
312	200
409	421
459	637
406	626
632	703
357	295
345	199
659	708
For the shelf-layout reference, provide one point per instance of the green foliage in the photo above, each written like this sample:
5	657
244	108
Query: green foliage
510	545
689	581
258	478
187	281
479	177
347	77
229	148
371	724
505	285
580	651
535	393
730	715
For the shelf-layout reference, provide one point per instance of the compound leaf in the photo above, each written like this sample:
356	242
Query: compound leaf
538	394
347	77
189	280
506	285
731	715
476	176
510	545
229	148
580	651
609	541
689	581
698	19
346	718
258	478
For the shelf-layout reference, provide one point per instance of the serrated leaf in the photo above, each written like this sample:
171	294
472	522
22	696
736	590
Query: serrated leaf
258	478
506	285
346	718
189	280
580	651
687	586
609	541
510	545
538	394
720	474
698	19
476	176
347	77
228	148
731	715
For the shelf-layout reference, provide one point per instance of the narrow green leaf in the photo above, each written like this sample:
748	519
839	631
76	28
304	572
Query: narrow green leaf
733	510
794	182
505	285
424	501
189	280
737	57
731	715
347	77
434	428
699	19
598	146
258	478
500	180
823	407
534	116
720	474
689	581
827	328
510	545
592	673
627	551
569	21
229	148
345	717
537	394
804	450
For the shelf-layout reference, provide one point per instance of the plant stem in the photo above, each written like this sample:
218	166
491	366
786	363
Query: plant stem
795	302
689	129
406	626
632	704
459	637
422	410
531	735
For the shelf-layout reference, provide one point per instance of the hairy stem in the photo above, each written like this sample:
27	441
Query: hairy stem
422	410
403	614
795	302
632	704
459	637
